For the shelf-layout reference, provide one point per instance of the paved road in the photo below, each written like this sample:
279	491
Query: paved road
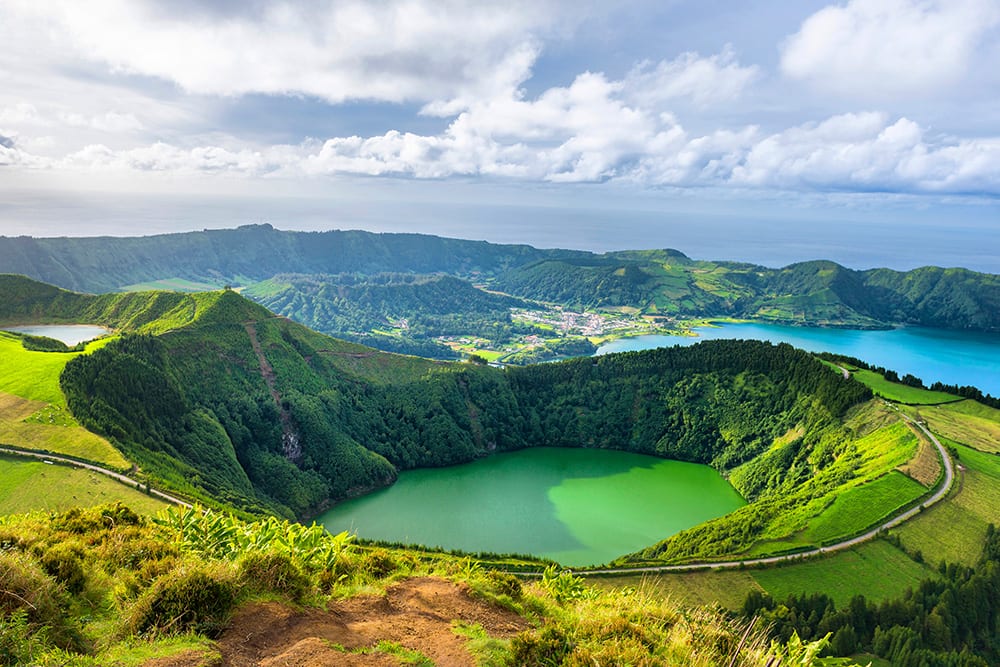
941	492
95	468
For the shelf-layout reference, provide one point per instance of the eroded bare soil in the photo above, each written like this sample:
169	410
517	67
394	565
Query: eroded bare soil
416	614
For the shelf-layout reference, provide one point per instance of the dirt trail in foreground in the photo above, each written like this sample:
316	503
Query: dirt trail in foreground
415	613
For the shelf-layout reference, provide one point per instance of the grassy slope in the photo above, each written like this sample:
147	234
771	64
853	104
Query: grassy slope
854	511
65	487
139	588
877	570
966	421
33	409
901	393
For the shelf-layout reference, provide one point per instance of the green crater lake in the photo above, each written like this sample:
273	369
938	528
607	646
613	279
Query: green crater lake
575	506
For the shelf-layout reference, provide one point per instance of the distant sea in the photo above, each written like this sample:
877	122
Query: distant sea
772	233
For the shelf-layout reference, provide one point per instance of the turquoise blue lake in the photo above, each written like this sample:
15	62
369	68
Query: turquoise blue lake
574	506
934	355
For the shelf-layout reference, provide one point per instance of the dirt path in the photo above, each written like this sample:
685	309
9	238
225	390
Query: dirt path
416	614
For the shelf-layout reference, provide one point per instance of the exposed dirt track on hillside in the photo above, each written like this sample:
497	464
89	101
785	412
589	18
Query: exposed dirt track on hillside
416	614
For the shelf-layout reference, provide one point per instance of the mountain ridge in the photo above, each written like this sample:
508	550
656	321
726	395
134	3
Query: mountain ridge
659	283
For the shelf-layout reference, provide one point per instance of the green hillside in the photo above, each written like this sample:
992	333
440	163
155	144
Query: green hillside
650	282
232	405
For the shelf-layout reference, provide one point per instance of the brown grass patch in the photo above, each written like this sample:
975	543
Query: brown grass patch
925	466
15	408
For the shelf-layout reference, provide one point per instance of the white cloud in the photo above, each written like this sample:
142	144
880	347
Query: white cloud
877	49
399	50
866	151
705	81
111	121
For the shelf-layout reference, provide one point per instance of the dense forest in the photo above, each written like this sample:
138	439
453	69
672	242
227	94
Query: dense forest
652	282
949	621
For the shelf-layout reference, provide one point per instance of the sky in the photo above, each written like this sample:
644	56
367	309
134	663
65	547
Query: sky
865	131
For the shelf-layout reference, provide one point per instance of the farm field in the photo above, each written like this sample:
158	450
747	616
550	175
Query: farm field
901	393
877	570
968	422
953	530
65	487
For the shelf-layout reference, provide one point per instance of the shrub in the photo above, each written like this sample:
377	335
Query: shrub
378	563
26	589
504	583
551	646
273	572
197	599
64	563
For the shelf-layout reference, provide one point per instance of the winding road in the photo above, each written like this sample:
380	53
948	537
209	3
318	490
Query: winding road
941	492
124	479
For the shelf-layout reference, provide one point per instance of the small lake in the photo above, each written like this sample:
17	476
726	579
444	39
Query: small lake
575	506
933	355
70	334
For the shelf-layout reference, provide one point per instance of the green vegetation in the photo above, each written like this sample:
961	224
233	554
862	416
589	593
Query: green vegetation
106	586
863	506
793	485
967	421
33	412
64	488
172	285
901	393
950	619
415	308
727	588
953	531
876	569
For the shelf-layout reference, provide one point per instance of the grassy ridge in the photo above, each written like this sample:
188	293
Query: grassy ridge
901	393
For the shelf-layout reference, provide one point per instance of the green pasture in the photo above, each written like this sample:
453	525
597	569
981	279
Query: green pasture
22	482
35	375
33	410
901	393
862	507
967	421
953	530
876	569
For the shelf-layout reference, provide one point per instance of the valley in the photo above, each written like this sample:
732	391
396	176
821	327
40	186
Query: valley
825	468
